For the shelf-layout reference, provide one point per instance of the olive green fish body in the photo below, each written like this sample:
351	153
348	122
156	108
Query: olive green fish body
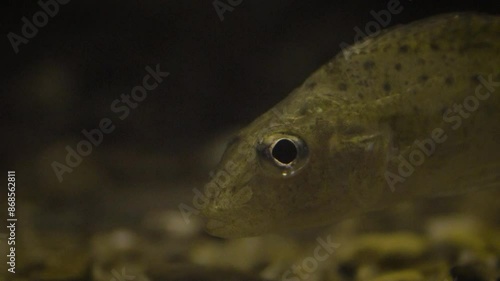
410	113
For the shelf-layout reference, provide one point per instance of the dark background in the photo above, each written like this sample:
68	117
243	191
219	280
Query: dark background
223	75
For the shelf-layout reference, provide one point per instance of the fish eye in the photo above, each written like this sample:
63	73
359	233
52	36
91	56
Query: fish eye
282	154
284	151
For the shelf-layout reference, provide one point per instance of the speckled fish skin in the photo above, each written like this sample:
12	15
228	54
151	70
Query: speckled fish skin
357	114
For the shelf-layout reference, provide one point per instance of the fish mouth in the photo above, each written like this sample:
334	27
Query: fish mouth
231	216
221	223
227	224
217	220
223	206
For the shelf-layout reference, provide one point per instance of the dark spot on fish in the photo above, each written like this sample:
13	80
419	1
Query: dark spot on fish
434	46
449	80
311	85
423	78
387	87
342	86
397	66
416	109
421	61
403	48
475	78
360	95
363	83
368	65
443	110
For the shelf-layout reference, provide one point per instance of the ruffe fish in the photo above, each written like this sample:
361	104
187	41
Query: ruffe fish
413	112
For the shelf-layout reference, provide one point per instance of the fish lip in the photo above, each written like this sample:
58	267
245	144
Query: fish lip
220	221
221	225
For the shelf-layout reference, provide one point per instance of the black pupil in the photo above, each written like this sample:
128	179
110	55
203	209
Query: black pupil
284	151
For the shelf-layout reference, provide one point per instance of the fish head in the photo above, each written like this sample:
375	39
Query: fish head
249	193
276	177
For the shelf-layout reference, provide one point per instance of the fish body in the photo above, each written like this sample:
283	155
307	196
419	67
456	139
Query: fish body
410	113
